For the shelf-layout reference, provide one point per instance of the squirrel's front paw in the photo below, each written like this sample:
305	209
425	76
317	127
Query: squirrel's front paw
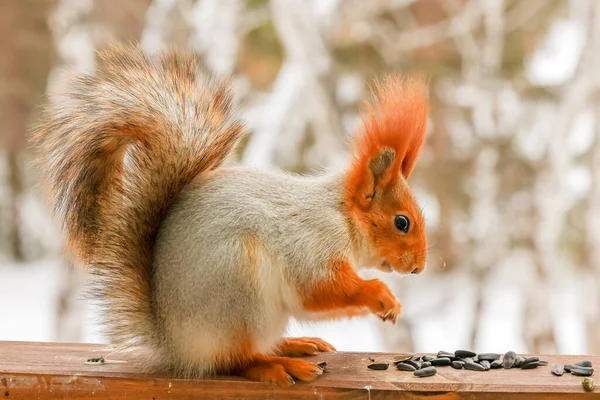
384	304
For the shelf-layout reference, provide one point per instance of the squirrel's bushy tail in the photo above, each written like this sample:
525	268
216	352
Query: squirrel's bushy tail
113	155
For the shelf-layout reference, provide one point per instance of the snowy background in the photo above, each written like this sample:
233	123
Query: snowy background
510	176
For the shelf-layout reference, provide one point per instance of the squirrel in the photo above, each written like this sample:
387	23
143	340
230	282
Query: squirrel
205	263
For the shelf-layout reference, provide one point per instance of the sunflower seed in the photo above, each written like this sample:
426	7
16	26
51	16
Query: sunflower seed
457	364
467	359
530	365
440	361
530	359
379	366
582	371
485	364
405	367
509	359
585	363
446	354
543	363
428	358
558	370
488	356
429	371
415	364
568	367
401	357
496	364
415	358
519	361
322	365
588	384
464	353
474	367
425	364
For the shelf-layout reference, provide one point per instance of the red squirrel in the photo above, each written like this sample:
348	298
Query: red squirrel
205	264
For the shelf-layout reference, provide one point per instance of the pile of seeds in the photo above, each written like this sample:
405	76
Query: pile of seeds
423	366
583	368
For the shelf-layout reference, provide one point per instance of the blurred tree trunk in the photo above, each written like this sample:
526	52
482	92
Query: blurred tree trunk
25	59
593	236
593	207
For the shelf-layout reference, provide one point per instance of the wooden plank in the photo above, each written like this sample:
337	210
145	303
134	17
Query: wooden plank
57	371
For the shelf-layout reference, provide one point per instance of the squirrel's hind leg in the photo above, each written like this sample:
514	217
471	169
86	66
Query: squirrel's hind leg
305	346
280	370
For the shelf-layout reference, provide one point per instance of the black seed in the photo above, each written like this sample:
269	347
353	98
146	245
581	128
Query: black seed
476	359
415	358
519	361
425	364
429	371
464	353
530	359
485	364
474	367
467	359
582	371
405	367
401	357
415	364
322	365
379	366
440	361
588	384
530	365
488	356
509	359
558	370
585	363
568	367
496	364
445	354
428	358
457	364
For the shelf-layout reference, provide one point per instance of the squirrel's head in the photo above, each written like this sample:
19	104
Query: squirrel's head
377	194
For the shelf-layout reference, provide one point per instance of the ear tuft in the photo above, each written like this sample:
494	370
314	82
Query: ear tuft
393	134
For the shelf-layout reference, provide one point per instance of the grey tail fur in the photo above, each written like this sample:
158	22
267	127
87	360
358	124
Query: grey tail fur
113	156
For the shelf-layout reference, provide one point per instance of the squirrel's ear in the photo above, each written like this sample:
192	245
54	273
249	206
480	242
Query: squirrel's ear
382	168
371	175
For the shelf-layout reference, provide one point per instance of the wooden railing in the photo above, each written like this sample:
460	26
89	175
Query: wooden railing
58	371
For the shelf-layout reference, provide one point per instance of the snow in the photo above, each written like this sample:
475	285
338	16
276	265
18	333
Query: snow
29	300
556	60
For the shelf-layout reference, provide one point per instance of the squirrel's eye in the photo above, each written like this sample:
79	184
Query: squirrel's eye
402	223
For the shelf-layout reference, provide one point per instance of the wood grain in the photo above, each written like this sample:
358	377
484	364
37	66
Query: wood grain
57	371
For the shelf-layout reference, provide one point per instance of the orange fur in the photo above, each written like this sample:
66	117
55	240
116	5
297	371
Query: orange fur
302	347
385	154
246	362
346	289
344	313
280	370
396	119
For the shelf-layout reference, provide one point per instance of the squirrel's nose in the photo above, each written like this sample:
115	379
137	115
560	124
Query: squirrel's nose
417	270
